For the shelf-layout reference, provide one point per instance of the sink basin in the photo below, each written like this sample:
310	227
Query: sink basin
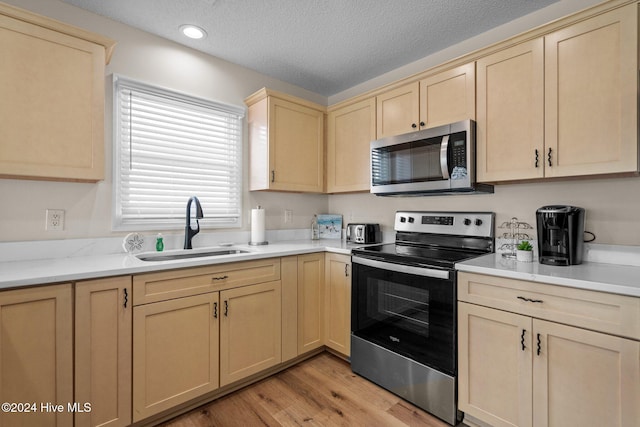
187	254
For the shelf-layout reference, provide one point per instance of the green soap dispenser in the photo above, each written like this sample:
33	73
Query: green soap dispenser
159	243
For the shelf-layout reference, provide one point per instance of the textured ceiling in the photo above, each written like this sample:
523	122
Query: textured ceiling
325	46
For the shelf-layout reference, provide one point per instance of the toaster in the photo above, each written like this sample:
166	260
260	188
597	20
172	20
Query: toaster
363	233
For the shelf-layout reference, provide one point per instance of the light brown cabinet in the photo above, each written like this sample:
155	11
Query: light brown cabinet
310	302
445	97
562	105
103	322
286	143
36	354
571	357
338	303
52	111
250	330
351	128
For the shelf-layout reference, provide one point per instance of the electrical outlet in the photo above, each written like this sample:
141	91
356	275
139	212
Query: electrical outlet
288	216
55	220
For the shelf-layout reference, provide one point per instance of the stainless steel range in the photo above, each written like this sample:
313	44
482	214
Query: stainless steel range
403	318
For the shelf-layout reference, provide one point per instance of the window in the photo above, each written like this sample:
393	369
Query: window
169	147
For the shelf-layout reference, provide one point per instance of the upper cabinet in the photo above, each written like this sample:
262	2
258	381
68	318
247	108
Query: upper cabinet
442	98
286	143
351	128
52	107
562	105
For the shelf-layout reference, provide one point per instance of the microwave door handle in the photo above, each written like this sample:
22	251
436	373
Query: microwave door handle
444	150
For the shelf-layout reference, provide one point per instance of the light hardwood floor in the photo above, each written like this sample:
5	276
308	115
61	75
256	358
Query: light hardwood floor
321	391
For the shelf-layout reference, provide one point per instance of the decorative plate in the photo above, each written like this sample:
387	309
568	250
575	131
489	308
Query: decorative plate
133	242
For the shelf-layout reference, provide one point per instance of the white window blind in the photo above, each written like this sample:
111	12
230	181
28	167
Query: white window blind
169	147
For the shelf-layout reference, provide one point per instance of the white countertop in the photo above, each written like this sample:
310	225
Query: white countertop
612	278
56	270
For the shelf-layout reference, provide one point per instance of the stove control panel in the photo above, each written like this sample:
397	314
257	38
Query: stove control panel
458	223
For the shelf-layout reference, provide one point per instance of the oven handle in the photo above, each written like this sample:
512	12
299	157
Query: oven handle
400	268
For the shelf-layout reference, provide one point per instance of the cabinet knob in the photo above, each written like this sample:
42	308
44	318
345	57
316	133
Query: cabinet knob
421	124
413	125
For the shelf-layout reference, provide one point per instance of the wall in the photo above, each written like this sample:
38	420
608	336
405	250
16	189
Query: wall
154	60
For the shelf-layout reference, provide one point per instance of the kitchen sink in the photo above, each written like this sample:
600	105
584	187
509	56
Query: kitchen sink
187	254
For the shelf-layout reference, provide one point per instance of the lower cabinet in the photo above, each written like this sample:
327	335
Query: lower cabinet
36	355
310	302
250	330
103	319
337	301
175	352
523	370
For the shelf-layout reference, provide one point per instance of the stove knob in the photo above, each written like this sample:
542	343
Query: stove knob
403	219
478	222
411	219
467	221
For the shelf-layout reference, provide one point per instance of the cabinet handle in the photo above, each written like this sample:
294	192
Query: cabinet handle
213	279
413	125
549	156
215	310
538	350
273	176
346	270
226	308
537	157
421	123
530	300
522	339
126	297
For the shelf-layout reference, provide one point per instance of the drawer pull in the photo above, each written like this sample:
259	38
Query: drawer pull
530	300
538	350
213	279
522	339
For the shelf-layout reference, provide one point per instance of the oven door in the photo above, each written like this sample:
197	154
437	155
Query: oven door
406	309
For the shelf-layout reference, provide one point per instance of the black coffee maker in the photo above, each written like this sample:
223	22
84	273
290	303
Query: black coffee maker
560	234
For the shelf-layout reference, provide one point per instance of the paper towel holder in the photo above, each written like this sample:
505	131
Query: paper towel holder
254	212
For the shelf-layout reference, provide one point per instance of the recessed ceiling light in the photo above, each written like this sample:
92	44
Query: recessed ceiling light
193	32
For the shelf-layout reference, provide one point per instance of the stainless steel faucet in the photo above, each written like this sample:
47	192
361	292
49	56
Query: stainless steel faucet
188	231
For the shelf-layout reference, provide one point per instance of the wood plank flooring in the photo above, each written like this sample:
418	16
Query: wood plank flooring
321	391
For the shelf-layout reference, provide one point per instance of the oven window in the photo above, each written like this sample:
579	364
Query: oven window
408	314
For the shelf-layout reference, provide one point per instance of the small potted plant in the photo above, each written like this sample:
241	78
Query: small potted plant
524	251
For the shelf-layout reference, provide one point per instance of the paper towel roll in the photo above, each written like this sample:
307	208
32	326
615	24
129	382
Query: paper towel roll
257	226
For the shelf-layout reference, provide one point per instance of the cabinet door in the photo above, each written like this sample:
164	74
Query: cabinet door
350	131
296	147
310	302
397	111
338	303
36	354
584	378
250	330
448	97
103	351
52	112
289	283
591	95
510	125
494	366
175	352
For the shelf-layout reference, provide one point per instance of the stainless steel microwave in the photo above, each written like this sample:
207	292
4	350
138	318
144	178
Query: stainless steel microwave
439	160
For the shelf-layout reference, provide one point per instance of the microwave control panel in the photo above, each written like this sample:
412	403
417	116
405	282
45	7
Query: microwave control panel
458	150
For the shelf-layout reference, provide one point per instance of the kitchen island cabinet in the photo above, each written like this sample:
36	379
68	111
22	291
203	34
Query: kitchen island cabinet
103	322
36	354
337	314
533	354
52	111
286	143
562	105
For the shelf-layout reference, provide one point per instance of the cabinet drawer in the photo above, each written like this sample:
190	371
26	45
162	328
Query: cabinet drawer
599	311
166	285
